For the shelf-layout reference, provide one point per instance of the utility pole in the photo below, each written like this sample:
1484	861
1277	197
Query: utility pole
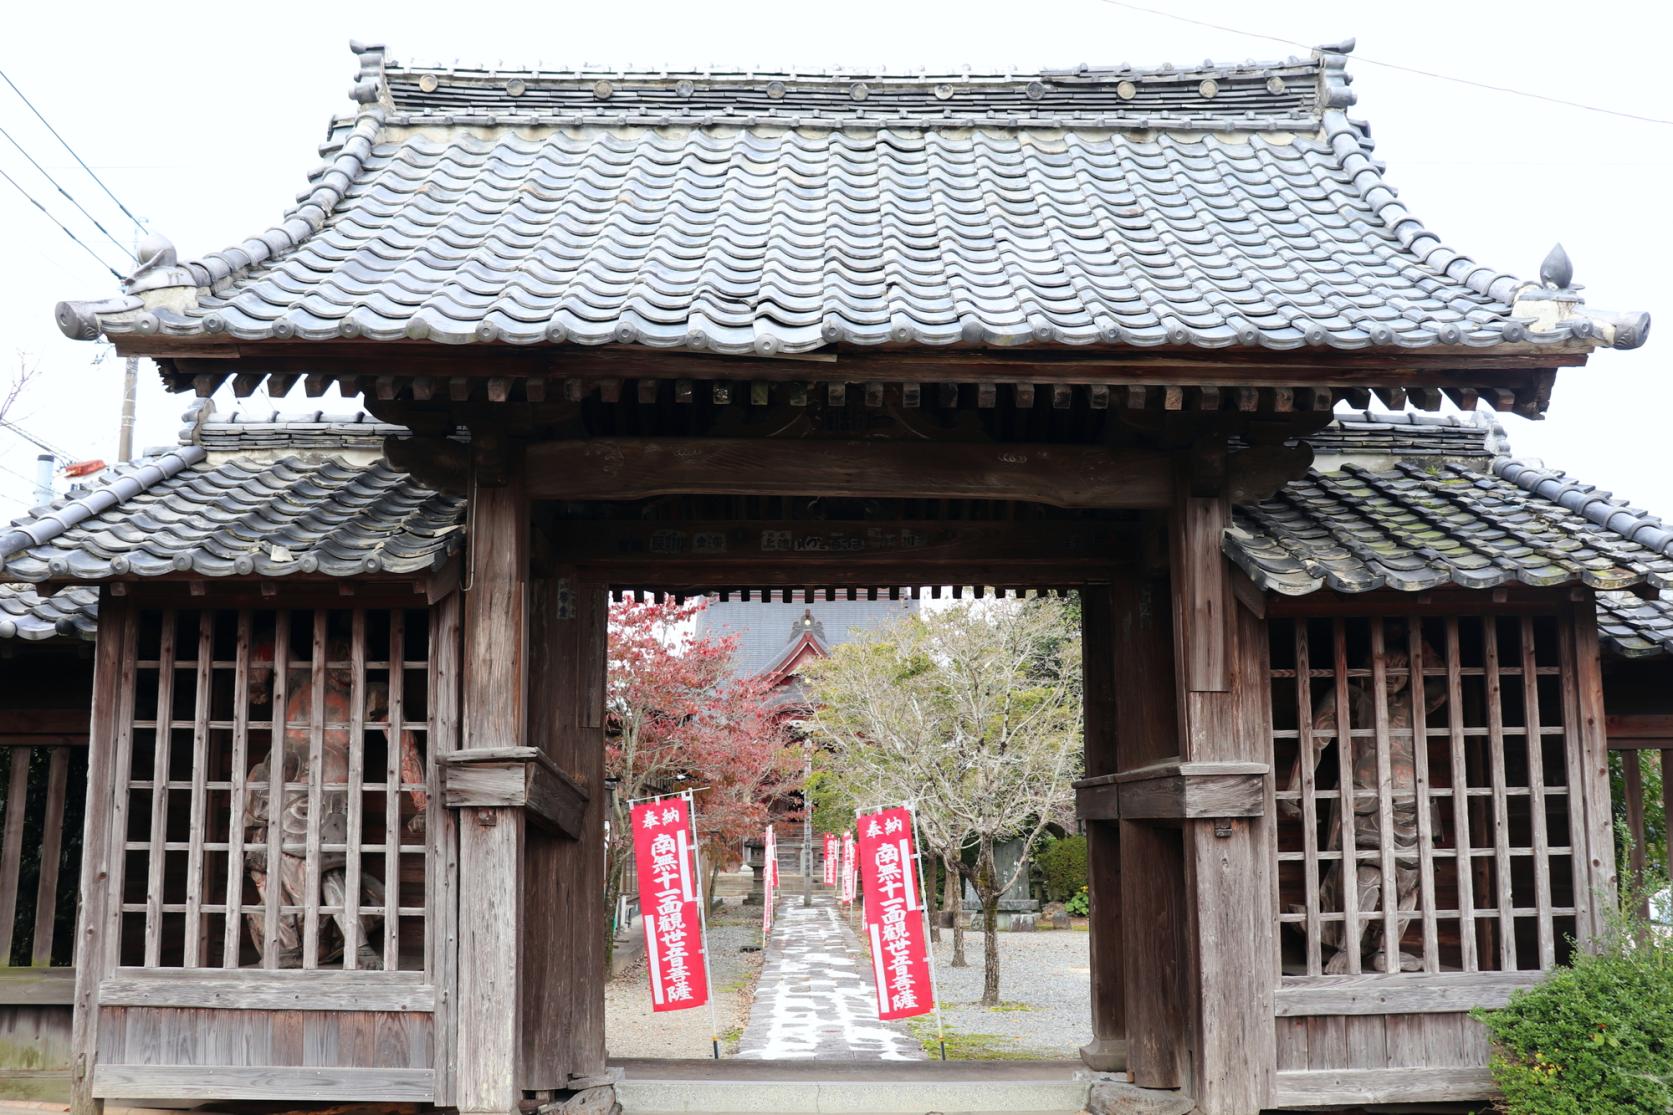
130	389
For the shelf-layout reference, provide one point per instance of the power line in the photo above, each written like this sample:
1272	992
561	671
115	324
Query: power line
55	450
31	198
137	222
66	194
1393	65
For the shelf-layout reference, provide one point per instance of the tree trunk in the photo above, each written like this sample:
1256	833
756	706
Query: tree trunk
614	878
713	875
987	889
955	904
935	908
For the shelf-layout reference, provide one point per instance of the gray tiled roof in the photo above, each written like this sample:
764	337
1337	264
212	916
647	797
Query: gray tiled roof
183	513
71	612
1213	206
270	429
1411	434
766	628
1429	517
1633	627
1420	526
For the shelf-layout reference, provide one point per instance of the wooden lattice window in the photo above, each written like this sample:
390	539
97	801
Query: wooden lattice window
1470	816
40	852
325	712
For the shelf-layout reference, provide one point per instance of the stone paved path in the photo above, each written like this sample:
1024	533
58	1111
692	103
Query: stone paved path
815	998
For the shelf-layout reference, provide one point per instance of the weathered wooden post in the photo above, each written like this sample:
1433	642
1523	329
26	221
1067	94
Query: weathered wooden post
495	699
1218	657
1107	1051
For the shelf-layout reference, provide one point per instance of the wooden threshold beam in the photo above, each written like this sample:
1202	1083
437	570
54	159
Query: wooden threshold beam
518	778
1056	475
1174	792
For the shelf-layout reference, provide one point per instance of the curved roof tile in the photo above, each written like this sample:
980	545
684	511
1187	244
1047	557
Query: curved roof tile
1210	206
237	518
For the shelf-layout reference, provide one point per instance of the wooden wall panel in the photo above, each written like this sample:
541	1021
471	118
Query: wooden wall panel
142	1036
1328	1043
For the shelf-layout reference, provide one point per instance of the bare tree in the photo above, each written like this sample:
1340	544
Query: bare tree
973	714
16	385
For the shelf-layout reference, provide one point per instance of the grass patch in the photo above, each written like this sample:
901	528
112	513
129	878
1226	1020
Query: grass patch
1012	1007
965	1047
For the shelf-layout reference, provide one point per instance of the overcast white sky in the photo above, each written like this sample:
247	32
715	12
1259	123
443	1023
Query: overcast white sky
205	124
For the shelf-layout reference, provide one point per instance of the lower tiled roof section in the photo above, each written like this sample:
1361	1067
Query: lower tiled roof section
71	612
1411	434
243	431
1421	526
1633	627
238	517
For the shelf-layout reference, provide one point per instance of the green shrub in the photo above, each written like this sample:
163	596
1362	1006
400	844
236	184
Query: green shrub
1062	866
1079	904
1592	1037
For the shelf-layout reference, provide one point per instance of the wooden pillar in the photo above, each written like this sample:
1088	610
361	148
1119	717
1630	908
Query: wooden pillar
1152	853
1228	897
97	915
1589	738
491	840
1107	1051
563	949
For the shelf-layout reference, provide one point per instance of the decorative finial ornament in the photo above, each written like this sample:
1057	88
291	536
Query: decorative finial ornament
1557	272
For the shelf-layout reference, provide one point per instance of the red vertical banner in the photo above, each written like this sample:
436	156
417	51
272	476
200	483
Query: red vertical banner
831	859
894	914
665	855
769	879
849	869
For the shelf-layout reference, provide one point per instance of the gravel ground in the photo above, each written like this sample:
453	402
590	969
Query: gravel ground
631	1029
1045	991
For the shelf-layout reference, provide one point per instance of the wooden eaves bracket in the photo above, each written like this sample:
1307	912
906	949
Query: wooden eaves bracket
1174	791
515	777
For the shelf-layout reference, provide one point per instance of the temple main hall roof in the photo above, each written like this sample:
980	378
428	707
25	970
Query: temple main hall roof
1212	206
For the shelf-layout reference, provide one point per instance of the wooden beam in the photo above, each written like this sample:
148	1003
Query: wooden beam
1355	1087
37	987
1412	993
518	778
43	727
279	989
794	543
1180	791
210	1082
1057	475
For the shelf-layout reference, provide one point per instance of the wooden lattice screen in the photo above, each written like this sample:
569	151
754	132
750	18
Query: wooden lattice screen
325	712
1472	822
40	852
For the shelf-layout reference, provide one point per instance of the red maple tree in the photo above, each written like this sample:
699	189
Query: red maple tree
678	719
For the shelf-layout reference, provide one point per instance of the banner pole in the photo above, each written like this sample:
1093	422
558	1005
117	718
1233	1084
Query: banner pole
703	926
929	948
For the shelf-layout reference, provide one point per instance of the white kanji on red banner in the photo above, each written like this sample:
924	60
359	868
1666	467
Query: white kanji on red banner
894	914
664	853
831	857
850	871
769	877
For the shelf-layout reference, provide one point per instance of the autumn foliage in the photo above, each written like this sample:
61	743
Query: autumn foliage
677	720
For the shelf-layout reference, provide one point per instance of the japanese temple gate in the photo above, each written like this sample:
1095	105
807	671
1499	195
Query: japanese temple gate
445	943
